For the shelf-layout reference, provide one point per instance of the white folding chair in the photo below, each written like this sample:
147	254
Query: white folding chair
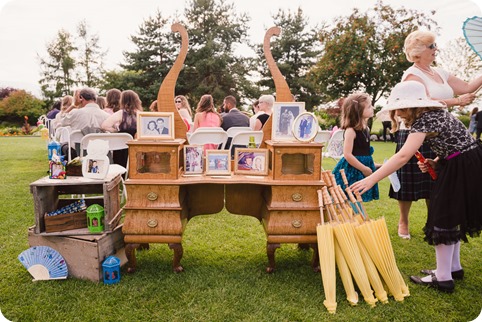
204	136
334	148
74	142
323	137
242	138
232	131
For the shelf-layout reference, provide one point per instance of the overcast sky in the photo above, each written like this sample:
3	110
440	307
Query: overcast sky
26	26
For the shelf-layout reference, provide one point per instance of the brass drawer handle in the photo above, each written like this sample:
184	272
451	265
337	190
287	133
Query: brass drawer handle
152	196
296	223
297	197
152	223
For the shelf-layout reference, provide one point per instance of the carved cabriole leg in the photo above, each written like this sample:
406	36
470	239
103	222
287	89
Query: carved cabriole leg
178	252
271	249
131	257
315	261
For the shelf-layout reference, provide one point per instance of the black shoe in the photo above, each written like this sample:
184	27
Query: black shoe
456	275
443	286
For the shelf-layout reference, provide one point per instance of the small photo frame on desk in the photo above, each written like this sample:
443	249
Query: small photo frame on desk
218	162
95	167
284	115
155	126
252	162
305	127
193	159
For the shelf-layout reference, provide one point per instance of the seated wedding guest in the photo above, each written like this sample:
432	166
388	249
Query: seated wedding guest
265	104
256	113
184	109
102	102
89	115
55	109
124	121
153	106
206	116
66	102
232	117
113	100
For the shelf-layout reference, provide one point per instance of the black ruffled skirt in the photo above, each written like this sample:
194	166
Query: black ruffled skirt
455	209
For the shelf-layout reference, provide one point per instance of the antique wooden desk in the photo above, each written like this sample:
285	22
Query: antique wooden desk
161	201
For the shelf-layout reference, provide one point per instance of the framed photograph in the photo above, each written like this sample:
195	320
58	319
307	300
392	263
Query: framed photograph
305	127
284	115
218	162
95	167
57	170
251	161
193	159
155	126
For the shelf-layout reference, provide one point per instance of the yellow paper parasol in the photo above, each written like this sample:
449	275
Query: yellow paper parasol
326	251
345	274
345	235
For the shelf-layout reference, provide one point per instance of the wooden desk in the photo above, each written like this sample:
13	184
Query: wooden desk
158	211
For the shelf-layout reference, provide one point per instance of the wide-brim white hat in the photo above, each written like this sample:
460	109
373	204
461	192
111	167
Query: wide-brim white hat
409	94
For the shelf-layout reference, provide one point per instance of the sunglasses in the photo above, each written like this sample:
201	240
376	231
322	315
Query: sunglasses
178	102
432	46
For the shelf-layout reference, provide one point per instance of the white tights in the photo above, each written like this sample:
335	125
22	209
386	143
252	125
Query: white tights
448	261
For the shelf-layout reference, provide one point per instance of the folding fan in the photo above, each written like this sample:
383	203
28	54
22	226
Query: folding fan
473	34
44	263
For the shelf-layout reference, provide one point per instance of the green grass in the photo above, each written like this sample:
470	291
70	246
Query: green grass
224	261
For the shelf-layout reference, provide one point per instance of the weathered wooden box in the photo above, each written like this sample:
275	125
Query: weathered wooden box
84	254
50	194
65	222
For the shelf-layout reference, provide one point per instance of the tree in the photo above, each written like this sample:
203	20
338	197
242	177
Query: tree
152	59
212	67
58	67
459	59
364	51
90	57
295	52
19	104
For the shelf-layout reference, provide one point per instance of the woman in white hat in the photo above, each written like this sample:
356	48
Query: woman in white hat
455	207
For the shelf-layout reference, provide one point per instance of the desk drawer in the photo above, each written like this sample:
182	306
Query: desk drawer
292	197
154	222
291	222
153	196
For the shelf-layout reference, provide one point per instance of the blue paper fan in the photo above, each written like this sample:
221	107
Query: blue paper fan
44	263
472	29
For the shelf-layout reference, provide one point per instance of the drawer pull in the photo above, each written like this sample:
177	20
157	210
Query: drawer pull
152	223
152	196
296	223
297	197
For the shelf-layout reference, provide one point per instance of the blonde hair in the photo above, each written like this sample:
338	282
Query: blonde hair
416	42
352	111
184	103
67	101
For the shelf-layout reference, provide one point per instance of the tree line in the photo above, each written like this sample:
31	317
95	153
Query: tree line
321	63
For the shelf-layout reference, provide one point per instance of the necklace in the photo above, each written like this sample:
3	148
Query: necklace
367	138
427	71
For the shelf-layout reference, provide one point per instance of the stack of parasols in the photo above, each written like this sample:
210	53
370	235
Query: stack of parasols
359	246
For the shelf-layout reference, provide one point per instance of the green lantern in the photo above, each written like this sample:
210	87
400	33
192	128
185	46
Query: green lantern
95	218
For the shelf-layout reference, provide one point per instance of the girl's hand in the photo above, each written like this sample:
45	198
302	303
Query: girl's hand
423	165
367	171
363	185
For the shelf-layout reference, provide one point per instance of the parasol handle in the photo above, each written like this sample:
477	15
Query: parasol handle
329	204
323	175
477	90
343	176
360	201
333	193
328	178
320	204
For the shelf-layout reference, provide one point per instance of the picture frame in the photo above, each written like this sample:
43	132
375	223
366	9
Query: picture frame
57	170
218	162
155	125
95	167
250	161
193	159
305	127
284	115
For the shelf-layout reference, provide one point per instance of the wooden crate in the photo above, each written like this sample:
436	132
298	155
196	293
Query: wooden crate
50	194
65	222
84	254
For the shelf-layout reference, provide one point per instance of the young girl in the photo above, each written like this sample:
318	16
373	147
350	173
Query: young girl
455	206
206	116
357	158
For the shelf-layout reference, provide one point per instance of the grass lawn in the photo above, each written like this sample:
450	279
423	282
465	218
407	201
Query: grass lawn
224	260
